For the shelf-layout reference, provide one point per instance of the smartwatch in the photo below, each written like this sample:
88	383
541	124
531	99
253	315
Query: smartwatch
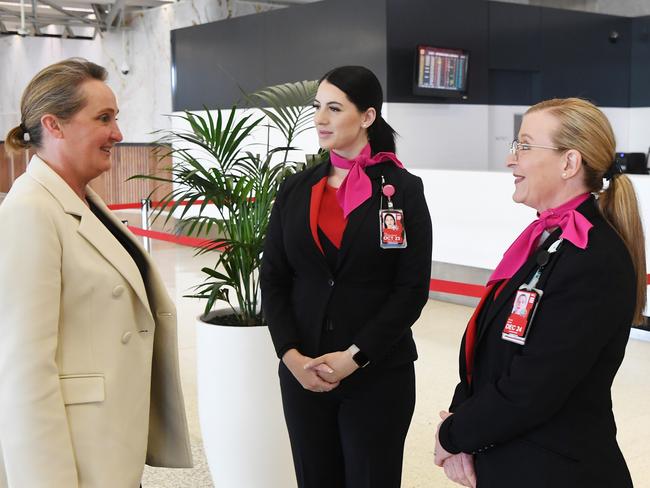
358	356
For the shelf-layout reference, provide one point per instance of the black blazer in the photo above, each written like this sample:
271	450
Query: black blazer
374	295
540	415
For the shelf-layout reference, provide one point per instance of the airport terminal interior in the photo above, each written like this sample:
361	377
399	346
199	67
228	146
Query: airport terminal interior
165	57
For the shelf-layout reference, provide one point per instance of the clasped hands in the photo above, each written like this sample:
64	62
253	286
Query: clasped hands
320	374
458	467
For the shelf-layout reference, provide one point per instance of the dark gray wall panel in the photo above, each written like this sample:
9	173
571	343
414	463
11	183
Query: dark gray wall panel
579	59
305	43
515	87
518	54
640	63
515	34
209	62
460	24
300	42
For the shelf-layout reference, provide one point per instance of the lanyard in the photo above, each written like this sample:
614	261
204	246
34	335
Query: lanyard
387	191
543	260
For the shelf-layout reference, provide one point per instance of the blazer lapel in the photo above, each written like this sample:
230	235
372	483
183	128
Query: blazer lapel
314	207
101	238
358	216
315	187
90	228
515	282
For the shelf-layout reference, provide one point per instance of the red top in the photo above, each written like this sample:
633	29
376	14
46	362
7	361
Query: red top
470	333
330	216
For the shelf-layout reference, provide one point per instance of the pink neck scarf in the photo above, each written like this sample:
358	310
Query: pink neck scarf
356	187
575	229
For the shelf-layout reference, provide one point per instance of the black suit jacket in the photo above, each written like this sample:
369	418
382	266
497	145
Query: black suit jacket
540	415
374	295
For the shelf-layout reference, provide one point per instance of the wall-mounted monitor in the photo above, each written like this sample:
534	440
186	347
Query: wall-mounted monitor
440	72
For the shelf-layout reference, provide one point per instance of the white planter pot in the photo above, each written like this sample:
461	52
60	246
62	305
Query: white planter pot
240	409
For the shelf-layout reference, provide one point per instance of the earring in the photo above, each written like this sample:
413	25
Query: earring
563	175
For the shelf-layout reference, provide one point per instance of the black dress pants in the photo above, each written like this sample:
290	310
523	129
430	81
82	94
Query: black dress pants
353	436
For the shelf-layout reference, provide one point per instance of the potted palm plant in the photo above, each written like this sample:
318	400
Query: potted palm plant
229	164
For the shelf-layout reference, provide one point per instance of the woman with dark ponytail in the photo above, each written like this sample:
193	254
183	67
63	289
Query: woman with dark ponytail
340	295
533	407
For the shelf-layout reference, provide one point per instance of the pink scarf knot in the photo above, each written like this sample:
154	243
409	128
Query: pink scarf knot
356	187
575	229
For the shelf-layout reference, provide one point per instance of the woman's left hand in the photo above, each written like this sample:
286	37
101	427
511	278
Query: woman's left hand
439	452
333	366
459	468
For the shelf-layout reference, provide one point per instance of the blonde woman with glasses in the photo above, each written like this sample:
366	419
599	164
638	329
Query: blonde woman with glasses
533	407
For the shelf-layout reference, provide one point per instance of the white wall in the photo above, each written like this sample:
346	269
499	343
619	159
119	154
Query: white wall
639	138
501	133
477	137
440	135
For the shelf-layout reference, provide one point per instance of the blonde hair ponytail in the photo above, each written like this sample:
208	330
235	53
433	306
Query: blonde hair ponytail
618	204
15	141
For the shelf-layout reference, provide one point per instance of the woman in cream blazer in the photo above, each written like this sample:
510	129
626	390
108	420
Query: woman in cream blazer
89	378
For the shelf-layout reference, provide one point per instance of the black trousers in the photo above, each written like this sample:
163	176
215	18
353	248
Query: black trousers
353	436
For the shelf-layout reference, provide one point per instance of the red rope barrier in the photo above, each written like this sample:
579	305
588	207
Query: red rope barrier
124	206
181	240
154	204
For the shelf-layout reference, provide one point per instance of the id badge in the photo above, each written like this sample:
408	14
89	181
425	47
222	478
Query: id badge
391	229
521	317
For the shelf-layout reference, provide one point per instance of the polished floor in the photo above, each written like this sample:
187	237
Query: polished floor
437	333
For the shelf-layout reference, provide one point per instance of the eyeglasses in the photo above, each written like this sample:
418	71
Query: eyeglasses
517	146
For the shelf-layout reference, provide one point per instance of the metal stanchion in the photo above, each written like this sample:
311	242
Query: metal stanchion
145	208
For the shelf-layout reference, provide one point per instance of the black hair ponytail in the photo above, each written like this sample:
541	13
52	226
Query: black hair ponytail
381	136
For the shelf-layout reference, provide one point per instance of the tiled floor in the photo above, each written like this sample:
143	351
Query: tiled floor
438	333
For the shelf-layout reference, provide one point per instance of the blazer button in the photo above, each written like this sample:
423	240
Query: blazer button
330	282
126	337
118	290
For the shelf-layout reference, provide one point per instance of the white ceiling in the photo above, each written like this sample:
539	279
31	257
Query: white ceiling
68	18
81	18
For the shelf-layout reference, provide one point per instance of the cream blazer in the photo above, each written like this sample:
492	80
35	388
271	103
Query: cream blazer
89	379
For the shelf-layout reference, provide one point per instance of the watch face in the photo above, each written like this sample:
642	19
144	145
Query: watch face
361	359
